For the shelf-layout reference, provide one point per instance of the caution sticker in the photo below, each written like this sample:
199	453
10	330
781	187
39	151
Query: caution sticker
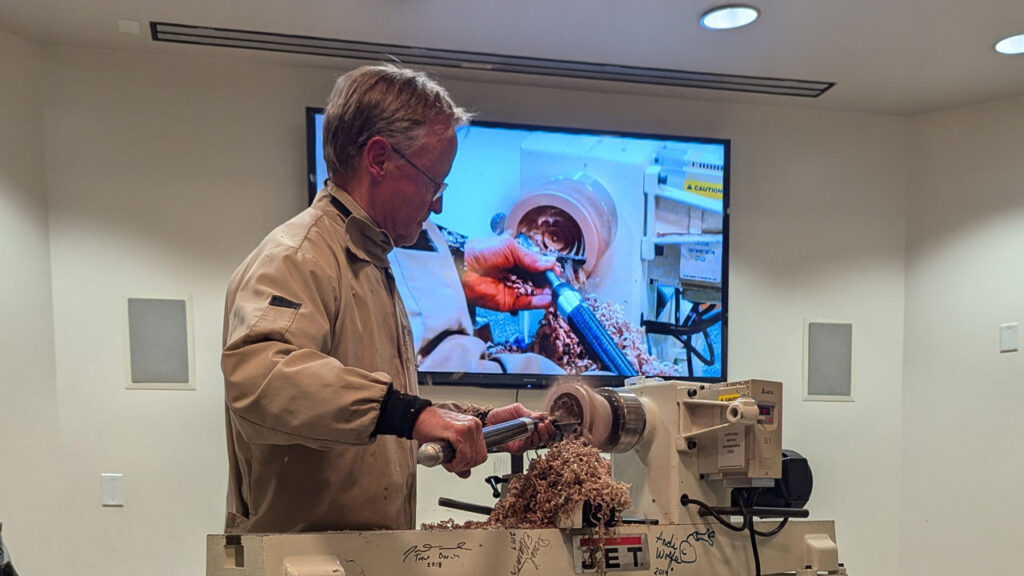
728	397
711	190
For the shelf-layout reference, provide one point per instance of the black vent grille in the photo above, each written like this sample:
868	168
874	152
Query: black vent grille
248	39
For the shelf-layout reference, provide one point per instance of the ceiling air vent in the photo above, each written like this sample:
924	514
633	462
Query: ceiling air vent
187	34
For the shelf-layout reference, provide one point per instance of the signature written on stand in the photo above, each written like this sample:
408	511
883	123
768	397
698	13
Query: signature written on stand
433	555
527	548
684	551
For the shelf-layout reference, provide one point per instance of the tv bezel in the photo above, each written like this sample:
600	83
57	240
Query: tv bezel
528	381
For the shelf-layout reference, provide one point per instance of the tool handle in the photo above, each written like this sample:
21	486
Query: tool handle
596	340
431	454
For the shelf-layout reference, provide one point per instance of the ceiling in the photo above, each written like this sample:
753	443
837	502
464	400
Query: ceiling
904	57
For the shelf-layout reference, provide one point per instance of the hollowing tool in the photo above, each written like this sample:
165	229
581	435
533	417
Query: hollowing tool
434	453
584	323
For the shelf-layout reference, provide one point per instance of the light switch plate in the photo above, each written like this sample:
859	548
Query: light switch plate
1008	337
111	489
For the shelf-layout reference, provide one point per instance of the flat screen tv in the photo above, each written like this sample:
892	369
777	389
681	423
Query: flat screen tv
639	224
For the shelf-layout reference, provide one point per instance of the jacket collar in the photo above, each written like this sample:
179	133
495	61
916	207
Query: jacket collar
366	240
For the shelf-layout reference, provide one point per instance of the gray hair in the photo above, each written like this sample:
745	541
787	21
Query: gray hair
395	103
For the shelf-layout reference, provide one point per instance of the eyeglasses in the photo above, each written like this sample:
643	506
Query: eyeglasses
441	186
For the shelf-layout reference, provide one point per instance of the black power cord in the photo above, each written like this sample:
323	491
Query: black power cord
685	500
753	537
746	526
773	531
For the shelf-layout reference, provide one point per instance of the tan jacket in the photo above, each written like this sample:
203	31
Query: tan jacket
314	331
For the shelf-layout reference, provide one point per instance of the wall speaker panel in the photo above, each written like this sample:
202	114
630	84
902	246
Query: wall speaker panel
828	361
159	343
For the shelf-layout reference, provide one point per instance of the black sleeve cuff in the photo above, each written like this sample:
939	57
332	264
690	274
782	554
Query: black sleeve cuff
482	417
398	413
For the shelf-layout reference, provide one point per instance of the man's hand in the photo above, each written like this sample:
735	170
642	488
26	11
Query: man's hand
488	263
461	431
542	435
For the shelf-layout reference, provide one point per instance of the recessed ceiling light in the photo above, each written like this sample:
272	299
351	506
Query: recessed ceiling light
726	17
1011	45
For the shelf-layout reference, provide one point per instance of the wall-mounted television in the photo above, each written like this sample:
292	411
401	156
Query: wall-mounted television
639	224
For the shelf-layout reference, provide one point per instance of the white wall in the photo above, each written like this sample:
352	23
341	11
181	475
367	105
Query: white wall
28	395
163	172
965	277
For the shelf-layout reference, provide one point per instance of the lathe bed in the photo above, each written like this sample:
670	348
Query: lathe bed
804	548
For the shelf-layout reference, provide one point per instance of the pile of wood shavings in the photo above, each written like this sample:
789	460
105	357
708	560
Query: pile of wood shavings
452	524
555	340
557	484
553	490
630	339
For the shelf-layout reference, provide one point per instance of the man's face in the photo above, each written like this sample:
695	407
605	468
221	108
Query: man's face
409	197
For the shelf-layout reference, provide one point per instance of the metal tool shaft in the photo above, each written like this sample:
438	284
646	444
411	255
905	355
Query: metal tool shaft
433	453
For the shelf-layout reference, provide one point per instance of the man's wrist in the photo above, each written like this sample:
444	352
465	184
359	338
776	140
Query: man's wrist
482	417
399	412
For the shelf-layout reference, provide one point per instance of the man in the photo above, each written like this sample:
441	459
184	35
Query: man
319	369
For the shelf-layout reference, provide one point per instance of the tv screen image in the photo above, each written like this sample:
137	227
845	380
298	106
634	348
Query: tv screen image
638	224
